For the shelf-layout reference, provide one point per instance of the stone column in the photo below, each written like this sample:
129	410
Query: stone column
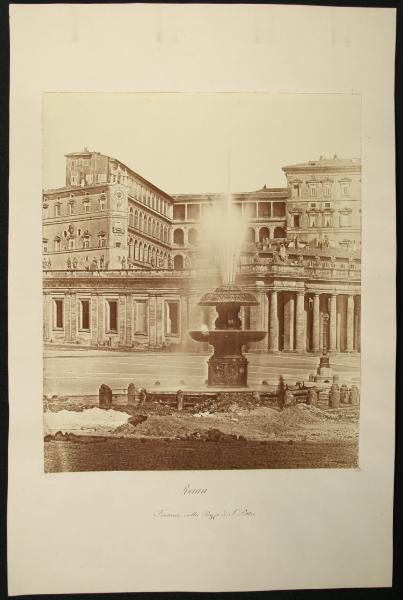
273	333
350	324
316	324
289	317
300	341
332	323
357	316
262	319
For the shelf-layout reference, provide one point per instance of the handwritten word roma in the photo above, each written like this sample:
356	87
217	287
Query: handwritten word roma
188	490
208	514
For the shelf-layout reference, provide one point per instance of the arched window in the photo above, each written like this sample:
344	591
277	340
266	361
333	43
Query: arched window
250	235
279	232
57	244
178	237
86	241
102	202
136	219
141	252
131	217
264	233
178	262
141	221
149	226
193	237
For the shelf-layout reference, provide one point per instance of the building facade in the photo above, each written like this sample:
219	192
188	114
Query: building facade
123	260
105	217
324	202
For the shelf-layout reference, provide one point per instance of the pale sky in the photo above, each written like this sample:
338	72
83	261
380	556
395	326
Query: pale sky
183	143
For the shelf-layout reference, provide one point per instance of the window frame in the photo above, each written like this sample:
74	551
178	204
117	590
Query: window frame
108	328
57	300
81	324
146	304
167	303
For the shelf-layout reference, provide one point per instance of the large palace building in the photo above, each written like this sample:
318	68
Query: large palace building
124	263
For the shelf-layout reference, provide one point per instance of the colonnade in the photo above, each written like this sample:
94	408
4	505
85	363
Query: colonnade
310	321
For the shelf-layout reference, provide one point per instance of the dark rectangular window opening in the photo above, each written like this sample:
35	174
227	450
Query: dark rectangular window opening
296	220
172	318
179	212
113	315
59	313
250	210
85	314
264	210
193	212
278	209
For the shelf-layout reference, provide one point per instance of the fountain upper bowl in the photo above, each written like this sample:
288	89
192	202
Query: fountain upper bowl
228	294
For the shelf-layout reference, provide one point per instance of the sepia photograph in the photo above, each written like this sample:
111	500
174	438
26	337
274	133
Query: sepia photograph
202	299
201	281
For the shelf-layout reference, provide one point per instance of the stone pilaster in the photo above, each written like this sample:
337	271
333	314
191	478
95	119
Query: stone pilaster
47	317
273	331
101	319
94	319
316	323
122	320
74	317
332	323
67	319
129	319
300	341
152	325
184	319
350	324
159	319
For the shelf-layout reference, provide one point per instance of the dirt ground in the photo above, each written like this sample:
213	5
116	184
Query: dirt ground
261	423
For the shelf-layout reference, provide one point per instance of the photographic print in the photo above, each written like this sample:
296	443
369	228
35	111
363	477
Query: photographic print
201	281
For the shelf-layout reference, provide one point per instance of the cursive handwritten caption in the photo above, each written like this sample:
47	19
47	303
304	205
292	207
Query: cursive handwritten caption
212	515
207	514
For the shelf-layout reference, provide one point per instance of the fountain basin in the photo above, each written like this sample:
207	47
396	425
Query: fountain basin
227	367
228	341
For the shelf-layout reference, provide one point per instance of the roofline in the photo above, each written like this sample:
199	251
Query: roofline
207	196
323	167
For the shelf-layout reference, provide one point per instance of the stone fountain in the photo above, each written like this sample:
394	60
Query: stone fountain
228	367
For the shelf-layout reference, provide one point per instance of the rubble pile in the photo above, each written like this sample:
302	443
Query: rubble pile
212	435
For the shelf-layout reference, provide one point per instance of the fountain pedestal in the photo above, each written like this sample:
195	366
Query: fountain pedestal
228	367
